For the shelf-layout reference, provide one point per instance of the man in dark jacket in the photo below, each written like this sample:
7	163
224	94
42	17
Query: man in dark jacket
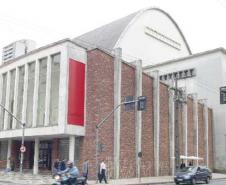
85	170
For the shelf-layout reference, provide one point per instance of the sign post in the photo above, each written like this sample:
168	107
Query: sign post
22	139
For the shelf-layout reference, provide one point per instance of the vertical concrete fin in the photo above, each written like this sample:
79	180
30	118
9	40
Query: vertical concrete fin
48	89
15	96
156	98
117	113
206	119
1	98
171	128
63	89
138	116
35	97
24	107
185	129
6	118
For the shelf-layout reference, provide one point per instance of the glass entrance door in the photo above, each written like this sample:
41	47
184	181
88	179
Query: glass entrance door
45	162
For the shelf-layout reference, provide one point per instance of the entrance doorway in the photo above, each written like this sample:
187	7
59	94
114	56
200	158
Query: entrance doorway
45	151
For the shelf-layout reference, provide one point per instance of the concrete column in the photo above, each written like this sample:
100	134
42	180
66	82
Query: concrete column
6	118
156	93
185	130
206	132
171	128
36	156
24	107
72	148
117	113
138	116
35	96
48	89
15	96
196	125
9	151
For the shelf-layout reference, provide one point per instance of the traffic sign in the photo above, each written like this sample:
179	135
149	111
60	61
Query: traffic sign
23	149
222	95
140	154
141	105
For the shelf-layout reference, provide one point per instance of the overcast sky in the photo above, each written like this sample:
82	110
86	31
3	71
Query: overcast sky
203	22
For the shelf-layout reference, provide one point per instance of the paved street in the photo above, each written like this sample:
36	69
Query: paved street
214	182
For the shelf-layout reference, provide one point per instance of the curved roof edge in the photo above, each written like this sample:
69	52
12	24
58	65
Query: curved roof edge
162	11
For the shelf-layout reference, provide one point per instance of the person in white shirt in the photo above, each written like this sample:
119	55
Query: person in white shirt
103	169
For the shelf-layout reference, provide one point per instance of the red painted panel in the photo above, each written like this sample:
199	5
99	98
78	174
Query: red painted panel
76	94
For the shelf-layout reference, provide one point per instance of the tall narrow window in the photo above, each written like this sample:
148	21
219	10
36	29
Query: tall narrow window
2	112
30	93
54	94
3	151
20	95
11	96
42	92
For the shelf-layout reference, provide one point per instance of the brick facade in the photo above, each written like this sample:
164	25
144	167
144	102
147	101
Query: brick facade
147	162
164	158
191	128
99	102
127	131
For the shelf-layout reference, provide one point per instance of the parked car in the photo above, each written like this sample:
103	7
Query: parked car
192	175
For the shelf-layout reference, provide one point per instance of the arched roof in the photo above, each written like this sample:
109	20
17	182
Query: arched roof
108	35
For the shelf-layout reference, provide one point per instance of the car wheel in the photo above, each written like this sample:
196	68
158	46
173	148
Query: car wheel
193	182
207	180
177	183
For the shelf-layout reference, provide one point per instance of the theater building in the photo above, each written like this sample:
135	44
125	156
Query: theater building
38	90
63	90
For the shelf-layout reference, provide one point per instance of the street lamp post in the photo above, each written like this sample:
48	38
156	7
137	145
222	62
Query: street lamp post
97	132
141	100
22	138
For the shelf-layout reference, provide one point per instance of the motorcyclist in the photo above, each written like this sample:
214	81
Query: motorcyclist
71	173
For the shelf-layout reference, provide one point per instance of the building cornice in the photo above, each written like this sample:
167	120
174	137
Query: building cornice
221	49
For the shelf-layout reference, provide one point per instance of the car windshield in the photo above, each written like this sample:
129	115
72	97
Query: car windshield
188	169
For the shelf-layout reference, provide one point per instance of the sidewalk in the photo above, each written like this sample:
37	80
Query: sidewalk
152	180
30	179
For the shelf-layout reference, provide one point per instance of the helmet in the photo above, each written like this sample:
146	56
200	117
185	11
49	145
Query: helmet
70	163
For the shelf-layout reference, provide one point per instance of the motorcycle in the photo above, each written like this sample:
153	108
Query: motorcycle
62	179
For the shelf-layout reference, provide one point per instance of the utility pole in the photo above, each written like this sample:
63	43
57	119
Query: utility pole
22	138
177	146
178	99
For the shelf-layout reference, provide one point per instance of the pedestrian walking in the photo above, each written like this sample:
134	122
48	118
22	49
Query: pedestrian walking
103	170
85	170
56	167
